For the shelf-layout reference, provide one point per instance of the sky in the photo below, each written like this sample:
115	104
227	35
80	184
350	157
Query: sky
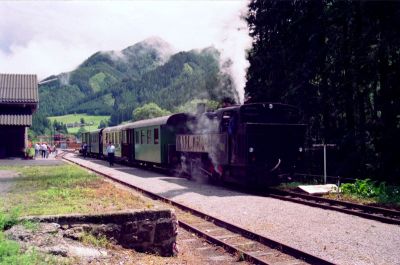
50	37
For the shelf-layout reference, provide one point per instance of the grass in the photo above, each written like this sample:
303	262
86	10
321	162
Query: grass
10	251
44	190
97	241
30	225
9	218
12	254
368	191
290	185
72	118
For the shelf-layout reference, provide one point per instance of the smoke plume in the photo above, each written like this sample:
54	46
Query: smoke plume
234	44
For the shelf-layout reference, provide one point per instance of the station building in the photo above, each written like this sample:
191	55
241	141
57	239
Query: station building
18	101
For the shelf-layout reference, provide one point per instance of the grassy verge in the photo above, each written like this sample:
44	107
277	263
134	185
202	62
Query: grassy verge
65	189
42	190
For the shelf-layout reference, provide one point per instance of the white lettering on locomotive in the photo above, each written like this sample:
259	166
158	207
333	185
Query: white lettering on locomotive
200	143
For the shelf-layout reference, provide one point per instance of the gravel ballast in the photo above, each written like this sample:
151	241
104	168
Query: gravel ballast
334	236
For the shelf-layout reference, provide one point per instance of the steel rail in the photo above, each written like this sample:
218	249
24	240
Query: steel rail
231	249
298	254
369	212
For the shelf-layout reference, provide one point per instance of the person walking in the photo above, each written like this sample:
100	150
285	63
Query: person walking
111	153
84	150
43	149
37	149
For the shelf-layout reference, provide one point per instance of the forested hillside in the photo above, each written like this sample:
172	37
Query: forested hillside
339	61
115	83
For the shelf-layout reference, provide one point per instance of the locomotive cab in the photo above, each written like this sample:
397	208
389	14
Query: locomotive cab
268	141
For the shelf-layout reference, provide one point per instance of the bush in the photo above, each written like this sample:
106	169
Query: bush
364	188
371	189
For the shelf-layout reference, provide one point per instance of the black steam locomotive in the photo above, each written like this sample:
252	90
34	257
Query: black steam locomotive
251	144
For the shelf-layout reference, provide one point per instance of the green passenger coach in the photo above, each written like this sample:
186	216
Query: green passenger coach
153	141
113	135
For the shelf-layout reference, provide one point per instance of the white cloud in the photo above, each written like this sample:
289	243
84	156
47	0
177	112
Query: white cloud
52	37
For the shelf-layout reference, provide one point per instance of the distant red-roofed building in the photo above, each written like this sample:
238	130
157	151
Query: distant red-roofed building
18	100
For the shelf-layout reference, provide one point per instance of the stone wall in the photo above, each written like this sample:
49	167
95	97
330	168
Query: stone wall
145	231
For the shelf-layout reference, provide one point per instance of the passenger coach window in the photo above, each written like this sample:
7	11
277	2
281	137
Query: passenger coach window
156	136
148	136
137	137
142	136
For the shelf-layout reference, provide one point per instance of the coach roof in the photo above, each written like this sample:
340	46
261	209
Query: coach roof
164	120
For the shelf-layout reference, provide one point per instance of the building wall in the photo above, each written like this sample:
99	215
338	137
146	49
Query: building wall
12	141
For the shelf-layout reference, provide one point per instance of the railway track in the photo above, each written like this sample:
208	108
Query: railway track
246	244
370	212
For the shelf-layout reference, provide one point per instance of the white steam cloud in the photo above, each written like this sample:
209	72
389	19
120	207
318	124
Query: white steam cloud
234	44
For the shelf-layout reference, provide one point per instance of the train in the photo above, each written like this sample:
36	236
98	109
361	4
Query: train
255	144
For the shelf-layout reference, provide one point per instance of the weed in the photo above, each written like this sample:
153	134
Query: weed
8	219
30	225
290	185
97	241
239	256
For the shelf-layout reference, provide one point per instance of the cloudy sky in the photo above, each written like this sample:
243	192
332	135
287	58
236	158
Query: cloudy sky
47	38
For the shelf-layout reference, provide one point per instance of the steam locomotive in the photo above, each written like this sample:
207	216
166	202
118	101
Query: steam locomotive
251	144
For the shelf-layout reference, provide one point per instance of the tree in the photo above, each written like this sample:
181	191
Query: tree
59	127
191	106
148	111
40	124
339	62
82	121
81	130
102	124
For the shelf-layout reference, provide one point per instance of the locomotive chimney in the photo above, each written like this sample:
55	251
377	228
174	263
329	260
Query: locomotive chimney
201	108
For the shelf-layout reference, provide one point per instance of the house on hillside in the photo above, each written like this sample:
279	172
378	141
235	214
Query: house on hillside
18	100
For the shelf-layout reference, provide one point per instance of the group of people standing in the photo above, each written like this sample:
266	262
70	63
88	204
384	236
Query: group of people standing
44	150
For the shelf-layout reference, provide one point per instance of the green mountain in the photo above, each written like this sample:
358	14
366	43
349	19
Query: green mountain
116	82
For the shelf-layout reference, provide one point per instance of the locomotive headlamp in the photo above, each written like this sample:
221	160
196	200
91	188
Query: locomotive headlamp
300	149
270	106
251	150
